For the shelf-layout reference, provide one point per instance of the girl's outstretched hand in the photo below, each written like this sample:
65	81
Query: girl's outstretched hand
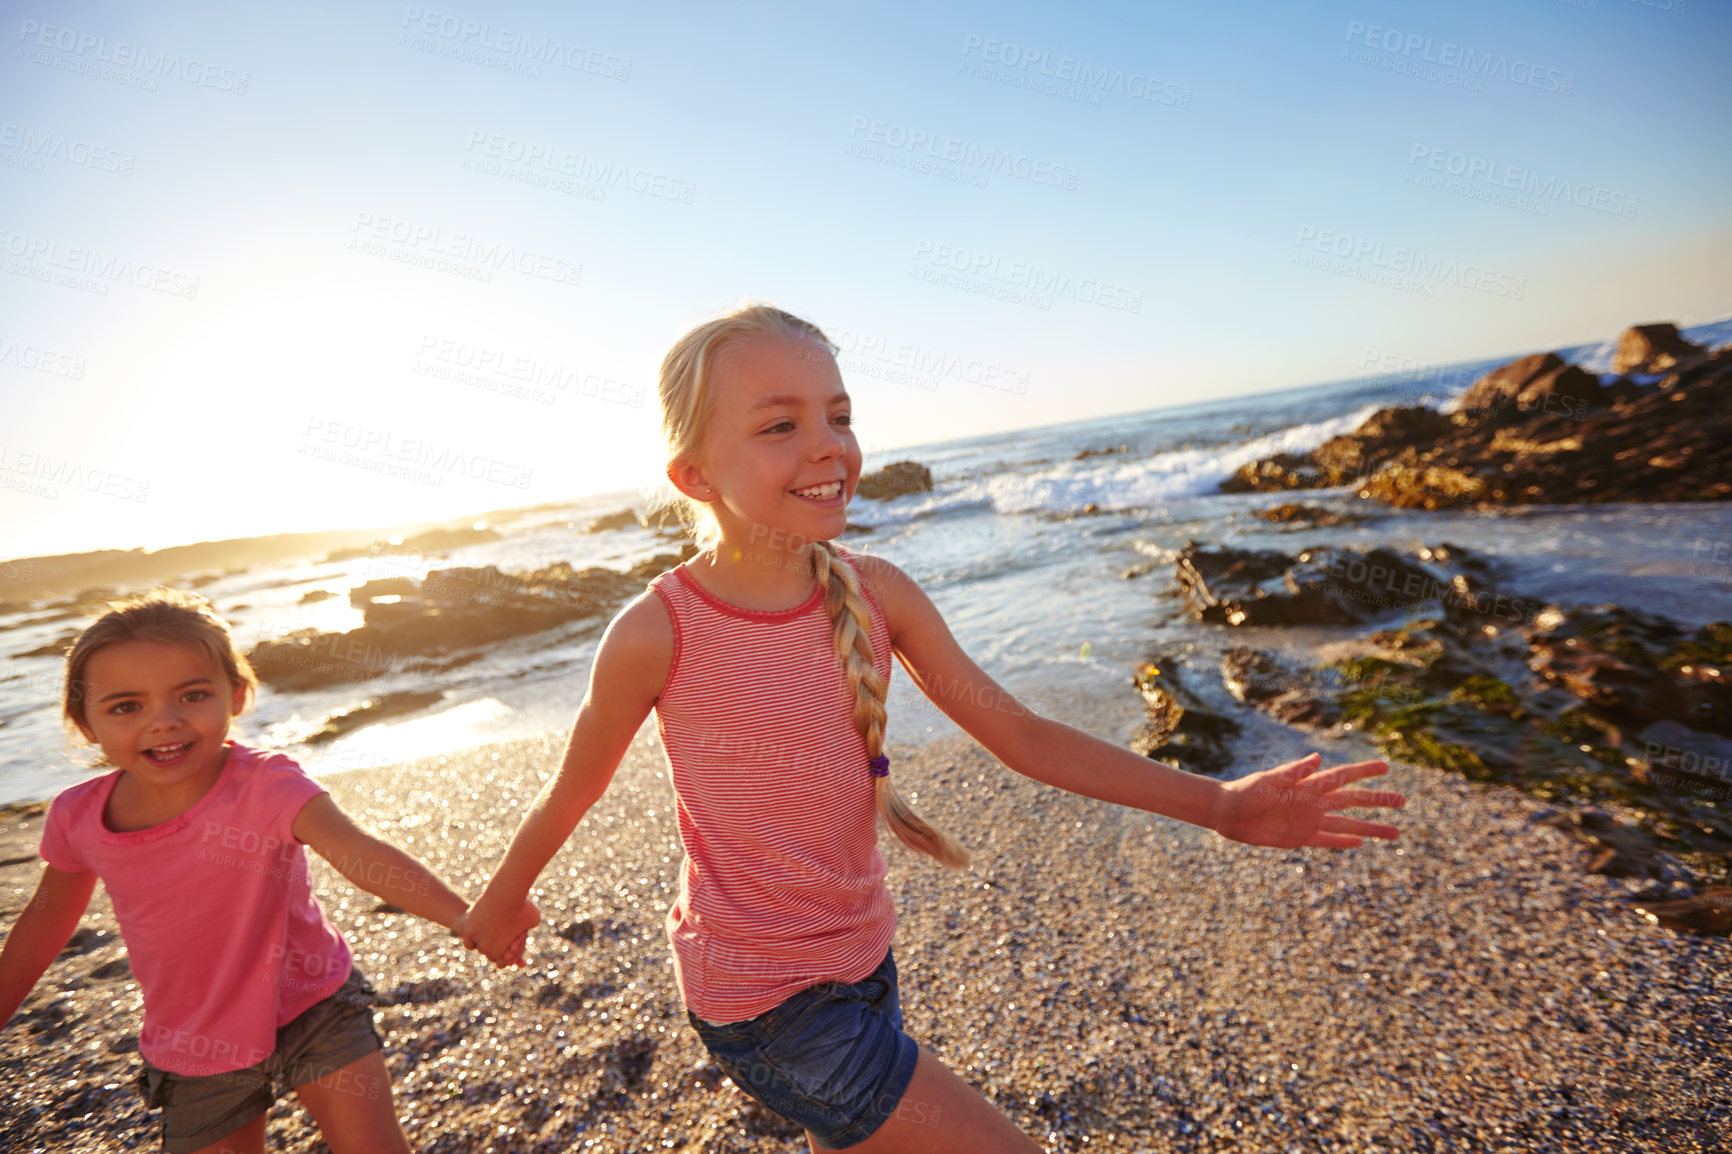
1295	804
500	934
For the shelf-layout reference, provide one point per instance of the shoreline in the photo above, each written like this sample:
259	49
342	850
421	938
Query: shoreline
1099	972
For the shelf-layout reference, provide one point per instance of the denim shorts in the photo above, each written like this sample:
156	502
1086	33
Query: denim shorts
328	1035
832	1058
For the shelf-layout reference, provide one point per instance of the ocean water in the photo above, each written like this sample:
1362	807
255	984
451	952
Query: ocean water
1023	546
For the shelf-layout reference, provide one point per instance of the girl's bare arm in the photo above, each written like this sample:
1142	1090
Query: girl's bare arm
376	865
1290	805
40	933
631	666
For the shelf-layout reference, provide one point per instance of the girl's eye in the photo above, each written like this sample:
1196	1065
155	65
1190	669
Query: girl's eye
195	695
780	427
124	707
844	418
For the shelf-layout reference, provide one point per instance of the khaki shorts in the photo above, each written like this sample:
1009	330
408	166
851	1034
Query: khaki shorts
329	1034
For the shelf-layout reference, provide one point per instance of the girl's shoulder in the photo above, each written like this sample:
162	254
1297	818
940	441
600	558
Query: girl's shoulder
636	653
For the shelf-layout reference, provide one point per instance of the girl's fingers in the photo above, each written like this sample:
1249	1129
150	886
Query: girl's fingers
1357	798
1335	823
1340	775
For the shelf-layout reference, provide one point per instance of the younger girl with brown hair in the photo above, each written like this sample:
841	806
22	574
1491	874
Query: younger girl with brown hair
766	659
248	989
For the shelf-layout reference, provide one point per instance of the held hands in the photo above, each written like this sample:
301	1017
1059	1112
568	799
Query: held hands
1294	805
501	934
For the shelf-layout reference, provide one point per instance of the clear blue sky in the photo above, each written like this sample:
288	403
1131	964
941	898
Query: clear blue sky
251	253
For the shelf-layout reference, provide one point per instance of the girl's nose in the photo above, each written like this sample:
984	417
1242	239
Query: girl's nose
163	716
826	444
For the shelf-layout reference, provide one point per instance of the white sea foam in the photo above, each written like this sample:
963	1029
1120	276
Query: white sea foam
1109	483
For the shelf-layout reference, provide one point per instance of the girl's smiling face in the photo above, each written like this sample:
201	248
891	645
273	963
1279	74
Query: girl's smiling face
160	712
778	451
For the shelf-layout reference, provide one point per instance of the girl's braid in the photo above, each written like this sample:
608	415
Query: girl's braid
847	608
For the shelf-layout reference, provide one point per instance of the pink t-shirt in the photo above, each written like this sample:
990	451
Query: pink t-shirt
221	927
783	884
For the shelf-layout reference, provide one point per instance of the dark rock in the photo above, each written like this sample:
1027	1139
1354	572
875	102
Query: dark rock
624	519
1326	586
1652	349
389	705
897	479
1290	696
427	625
1275	474
439	540
1538	431
1347	458
1539	382
1309	515
1180	729
1709	912
1637	667
59	647
313	595
1106	452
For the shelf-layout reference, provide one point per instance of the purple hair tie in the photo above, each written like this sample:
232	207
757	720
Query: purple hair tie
880	766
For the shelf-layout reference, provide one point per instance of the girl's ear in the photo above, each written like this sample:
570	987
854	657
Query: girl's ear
238	705
688	478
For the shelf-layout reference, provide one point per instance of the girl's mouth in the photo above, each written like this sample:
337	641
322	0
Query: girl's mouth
167	754
826	493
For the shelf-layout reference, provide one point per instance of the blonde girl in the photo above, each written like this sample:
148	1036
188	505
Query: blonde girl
766	659
248	989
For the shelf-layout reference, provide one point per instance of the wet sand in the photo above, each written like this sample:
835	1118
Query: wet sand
1115	981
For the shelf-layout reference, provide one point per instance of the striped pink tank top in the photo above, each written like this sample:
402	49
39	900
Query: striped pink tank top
782	886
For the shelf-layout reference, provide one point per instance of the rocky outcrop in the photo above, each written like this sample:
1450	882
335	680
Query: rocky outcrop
444	620
1538	431
1544	382
1637	668
1652	349
1290	695
624	519
1333	586
1599	709
1178	727
371	710
896	479
1312	516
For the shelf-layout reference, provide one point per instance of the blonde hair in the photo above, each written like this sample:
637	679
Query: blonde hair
686	407
168	615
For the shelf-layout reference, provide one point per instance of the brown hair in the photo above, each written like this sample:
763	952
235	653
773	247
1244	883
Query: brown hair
168	615
686	406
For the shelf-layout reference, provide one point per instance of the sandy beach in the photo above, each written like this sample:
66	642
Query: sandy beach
1115	981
